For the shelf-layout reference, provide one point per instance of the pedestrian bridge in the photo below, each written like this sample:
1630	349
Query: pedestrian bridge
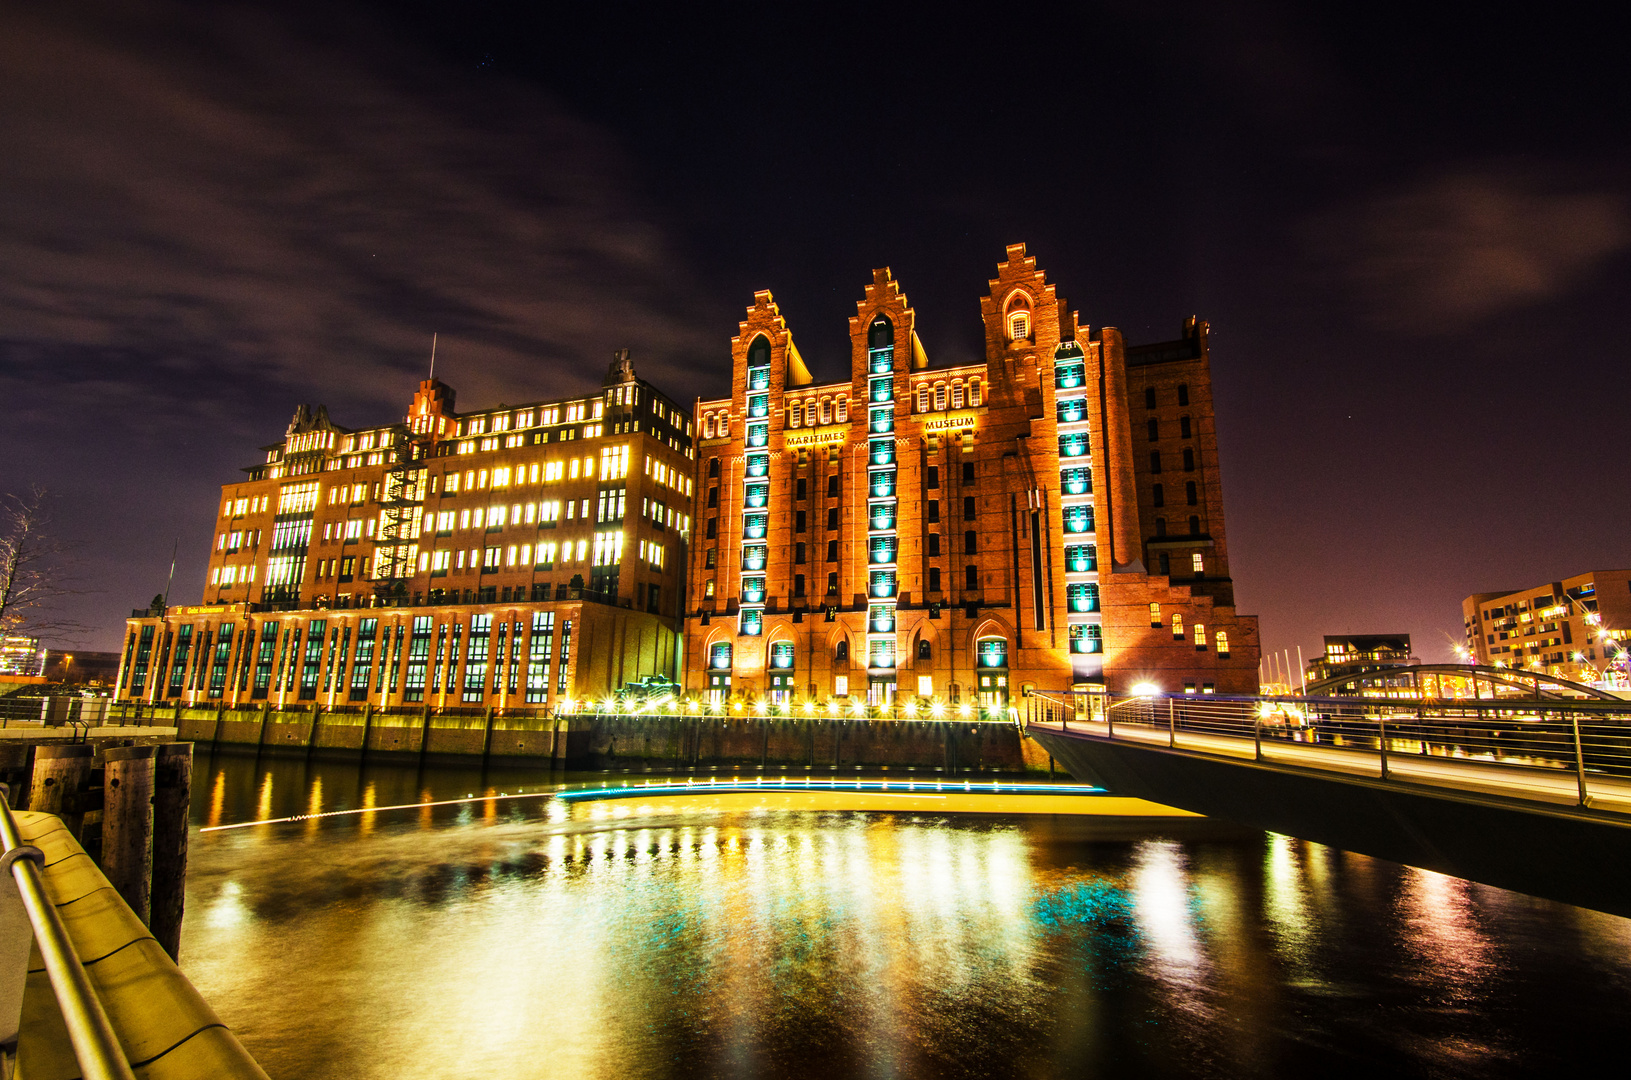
1531	794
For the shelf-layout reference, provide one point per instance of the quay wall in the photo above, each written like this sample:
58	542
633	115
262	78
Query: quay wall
679	742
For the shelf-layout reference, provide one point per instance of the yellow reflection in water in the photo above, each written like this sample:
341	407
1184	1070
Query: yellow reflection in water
218	798
425	812
1285	899
370	799
314	805
1161	893
263	806
1442	930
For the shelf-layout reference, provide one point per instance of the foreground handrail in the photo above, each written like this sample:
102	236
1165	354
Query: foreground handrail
95	1045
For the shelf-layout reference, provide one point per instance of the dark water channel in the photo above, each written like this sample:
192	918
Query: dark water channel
521	937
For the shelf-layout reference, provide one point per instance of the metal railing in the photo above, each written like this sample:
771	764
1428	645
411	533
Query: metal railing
28	911
1547	745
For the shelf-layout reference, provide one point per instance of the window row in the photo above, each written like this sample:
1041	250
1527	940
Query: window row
939	396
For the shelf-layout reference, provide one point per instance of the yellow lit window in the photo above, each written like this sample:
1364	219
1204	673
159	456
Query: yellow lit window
1155	614
1178	627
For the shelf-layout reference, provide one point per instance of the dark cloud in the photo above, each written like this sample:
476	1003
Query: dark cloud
241	197
1454	248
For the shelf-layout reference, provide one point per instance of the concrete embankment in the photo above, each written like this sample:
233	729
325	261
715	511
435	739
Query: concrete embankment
622	741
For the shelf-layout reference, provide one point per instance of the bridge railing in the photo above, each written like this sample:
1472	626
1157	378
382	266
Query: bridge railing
1588	743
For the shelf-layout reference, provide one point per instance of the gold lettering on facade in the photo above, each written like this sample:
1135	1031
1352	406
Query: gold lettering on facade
956	422
827	436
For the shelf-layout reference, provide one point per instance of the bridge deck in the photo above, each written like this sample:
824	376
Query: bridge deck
1545	783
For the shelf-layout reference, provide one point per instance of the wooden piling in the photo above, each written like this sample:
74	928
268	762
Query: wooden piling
172	793
62	773
127	824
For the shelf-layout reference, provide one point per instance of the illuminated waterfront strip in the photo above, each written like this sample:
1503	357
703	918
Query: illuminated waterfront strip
699	787
901	787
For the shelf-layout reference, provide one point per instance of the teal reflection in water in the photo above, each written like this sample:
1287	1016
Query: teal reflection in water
519	937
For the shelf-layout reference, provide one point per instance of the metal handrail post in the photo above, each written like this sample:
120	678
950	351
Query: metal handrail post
1110	722
1381	741
1257	736
1172	725
1579	758
95	1045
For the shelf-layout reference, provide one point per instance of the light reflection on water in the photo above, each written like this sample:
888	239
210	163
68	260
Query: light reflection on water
529	938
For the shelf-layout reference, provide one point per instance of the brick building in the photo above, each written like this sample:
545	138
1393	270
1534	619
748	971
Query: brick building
1048	517
509	556
1575	628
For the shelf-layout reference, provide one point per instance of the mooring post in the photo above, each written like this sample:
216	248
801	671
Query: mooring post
127	824
60	776
367	729
424	735
172	790
487	739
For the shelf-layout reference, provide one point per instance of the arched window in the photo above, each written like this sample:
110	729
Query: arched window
923	399
1191	494
923	648
1160	526
1200	638
1194	525
826	410
957	394
759	352
1155	430
843	410
939	395
841	653
881	334
794	415
1019	326
1159	495
1223	643
707	425
713	467
1177	628
974	393
810	413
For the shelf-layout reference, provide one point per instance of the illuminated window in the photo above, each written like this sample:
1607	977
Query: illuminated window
1019	325
957	394
1177	627
1200	638
1223	643
1198	564
1155	614
923	399
974	397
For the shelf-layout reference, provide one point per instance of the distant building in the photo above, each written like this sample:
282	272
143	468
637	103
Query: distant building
515	555
1359	654
1048	515
1578	628
21	655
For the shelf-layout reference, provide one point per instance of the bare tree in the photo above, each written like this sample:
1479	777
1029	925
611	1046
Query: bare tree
36	569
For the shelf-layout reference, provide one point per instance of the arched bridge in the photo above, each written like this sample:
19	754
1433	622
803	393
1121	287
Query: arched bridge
1427	679
1527	793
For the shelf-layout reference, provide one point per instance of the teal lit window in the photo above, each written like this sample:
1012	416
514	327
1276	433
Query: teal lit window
1069	376
753	556
880	619
991	652
1072	410
759	378
755	525
881	653
1082	597
881	451
882	484
882	421
1078	519
882	516
781	655
753	590
758	465
881	390
881	361
758	405
883	584
1073	445
719	656
881	549
1086	638
758	434
1081	558
752	622
757	496
1076	481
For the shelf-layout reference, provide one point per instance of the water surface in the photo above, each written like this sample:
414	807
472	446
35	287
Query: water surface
521	937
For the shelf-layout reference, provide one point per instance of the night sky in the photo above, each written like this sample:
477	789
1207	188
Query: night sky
1409	229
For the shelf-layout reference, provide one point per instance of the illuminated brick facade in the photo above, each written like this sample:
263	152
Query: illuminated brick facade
1049	517
506	557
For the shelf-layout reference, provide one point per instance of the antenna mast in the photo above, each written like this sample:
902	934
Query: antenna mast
433	354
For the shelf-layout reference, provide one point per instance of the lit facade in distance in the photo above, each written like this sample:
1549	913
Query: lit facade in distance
1578	628
511	556
1047	518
